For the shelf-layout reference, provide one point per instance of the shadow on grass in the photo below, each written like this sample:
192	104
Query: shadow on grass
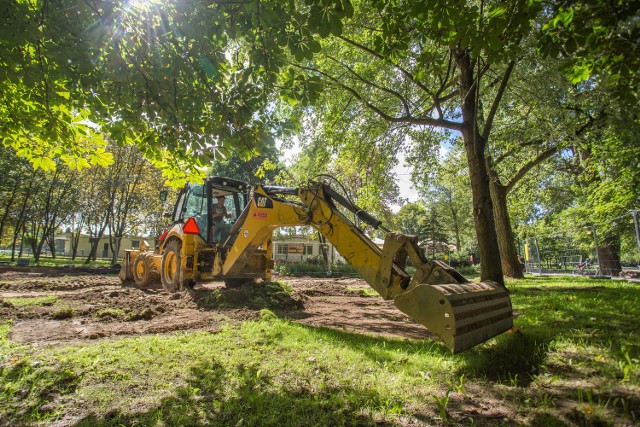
515	358
604	316
243	396
511	358
29	392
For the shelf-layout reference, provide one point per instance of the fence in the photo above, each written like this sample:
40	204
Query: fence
583	251
311	259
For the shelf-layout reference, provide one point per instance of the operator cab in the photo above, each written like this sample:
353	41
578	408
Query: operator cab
197	200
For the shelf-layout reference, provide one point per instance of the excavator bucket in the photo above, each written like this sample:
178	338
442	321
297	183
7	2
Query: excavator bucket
461	314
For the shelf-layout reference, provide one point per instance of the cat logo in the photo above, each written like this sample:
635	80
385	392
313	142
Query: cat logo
262	201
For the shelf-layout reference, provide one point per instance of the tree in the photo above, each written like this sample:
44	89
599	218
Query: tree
599	40
14	170
608	182
543	114
52	200
260	169
171	77
450	193
591	186
413	219
129	174
362	165
421	68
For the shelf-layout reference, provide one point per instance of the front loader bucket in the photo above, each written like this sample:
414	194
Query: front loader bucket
462	315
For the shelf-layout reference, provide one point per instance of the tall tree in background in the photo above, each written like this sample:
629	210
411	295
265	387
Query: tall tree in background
130	174
360	155
15	172
427	67
543	114
450	193
51	204
412	219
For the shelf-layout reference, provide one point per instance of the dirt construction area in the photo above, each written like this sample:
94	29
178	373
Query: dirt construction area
51	306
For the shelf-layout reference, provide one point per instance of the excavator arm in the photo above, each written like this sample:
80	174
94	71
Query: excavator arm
461	313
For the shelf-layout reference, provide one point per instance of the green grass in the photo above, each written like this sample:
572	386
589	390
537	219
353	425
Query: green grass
364	292
112	313
33	302
574	360
60	261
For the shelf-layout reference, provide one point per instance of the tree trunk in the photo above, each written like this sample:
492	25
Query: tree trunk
115	249
14	243
508	255
474	145
609	256
21	243
75	240
456	228
35	251
51	241
323	250
94	245
93	253
7	209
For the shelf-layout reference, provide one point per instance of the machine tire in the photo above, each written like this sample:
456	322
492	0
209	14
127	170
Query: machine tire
238	282
170	271
143	273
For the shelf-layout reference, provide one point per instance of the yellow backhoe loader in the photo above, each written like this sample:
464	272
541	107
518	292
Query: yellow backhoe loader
201	248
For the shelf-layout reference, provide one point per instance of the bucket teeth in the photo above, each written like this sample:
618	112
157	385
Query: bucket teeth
462	315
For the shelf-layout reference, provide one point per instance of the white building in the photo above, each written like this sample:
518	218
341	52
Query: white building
299	248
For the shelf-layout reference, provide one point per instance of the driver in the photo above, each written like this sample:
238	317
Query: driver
219	213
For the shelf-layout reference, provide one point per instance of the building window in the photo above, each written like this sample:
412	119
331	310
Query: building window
135	243
60	246
282	249
308	249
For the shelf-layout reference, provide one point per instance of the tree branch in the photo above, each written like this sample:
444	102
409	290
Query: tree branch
521	145
426	121
529	165
549	152
496	100
405	72
370	83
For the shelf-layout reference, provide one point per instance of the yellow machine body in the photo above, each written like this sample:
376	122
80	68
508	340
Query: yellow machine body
460	312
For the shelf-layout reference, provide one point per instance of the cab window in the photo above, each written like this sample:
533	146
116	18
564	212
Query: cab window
177	215
196	202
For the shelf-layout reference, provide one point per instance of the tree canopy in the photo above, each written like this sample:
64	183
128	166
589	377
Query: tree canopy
174	78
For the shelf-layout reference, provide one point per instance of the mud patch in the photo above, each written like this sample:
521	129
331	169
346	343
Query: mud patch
275	295
88	307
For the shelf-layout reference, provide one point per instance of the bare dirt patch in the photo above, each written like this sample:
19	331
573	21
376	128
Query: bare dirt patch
48	306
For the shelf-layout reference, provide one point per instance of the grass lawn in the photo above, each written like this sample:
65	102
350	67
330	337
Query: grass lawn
572	360
59	261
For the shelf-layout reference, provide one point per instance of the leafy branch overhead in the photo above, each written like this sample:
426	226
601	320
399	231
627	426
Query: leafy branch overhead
167	76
